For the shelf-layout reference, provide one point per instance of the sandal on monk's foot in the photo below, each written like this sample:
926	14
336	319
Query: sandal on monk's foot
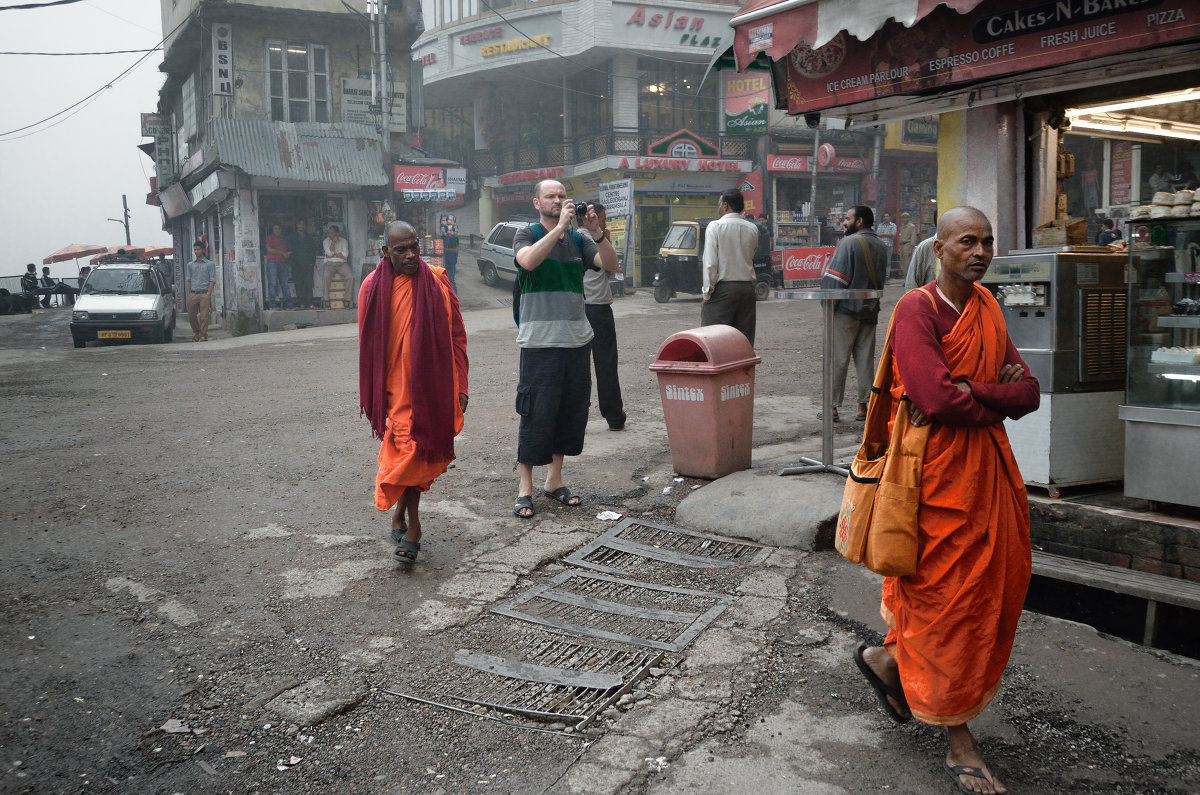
881	688
967	770
406	551
524	503
564	495
398	533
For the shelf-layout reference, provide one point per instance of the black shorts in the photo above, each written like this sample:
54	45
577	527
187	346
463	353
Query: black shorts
553	397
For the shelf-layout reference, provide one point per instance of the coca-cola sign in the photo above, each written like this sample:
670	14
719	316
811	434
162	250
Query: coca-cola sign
418	178
841	165
805	263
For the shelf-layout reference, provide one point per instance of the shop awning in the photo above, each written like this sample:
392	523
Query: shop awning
330	154
775	27
922	57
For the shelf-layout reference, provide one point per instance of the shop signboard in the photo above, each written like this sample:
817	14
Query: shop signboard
418	178
537	36
920	132
838	165
805	264
617	197
654	26
746	98
456	180
1121	176
222	59
996	39
751	186
358	106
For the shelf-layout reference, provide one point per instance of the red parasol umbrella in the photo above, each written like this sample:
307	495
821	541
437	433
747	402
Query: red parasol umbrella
74	251
157	251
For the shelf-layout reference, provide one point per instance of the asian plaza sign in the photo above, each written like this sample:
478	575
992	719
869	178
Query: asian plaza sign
687	27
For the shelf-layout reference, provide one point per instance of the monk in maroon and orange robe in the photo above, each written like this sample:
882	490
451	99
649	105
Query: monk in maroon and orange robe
952	623
412	378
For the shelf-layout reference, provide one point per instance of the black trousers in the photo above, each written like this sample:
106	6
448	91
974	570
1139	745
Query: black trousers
553	394
604	357
731	303
302	277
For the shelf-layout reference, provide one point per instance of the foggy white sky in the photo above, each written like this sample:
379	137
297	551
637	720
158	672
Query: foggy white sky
61	184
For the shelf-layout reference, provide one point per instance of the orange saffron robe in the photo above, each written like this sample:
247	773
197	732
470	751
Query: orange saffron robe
952	624
399	465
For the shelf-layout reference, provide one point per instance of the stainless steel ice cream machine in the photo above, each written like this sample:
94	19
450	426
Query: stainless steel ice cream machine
1066	314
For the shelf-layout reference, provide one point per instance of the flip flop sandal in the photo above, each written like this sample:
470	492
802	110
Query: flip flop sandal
522	503
966	770
881	688
836	418
564	495
398	533
406	551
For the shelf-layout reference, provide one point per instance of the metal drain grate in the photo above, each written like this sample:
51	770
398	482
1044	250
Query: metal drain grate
629	539
562	681
616	609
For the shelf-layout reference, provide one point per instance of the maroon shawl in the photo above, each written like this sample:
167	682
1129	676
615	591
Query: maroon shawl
431	361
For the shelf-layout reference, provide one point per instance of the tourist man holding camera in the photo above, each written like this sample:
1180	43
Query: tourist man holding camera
555	385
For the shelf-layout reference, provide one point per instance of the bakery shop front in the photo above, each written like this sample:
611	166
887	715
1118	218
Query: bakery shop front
1058	120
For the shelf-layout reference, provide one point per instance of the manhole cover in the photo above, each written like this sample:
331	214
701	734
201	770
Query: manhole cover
540	676
630	540
640	613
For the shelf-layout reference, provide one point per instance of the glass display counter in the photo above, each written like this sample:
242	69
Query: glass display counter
1162	393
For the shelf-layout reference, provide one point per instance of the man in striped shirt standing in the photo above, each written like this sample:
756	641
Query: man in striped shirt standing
554	336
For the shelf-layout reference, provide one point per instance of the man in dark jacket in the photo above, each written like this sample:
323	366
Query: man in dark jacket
859	262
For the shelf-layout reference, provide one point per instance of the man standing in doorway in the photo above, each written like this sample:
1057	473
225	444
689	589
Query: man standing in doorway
555	338
277	271
412	378
908	242
887	235
728	263
952	623
598	298
450	252
337	262
859	263
304	250
201	279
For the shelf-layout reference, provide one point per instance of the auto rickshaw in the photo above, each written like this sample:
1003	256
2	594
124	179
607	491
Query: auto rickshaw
679	266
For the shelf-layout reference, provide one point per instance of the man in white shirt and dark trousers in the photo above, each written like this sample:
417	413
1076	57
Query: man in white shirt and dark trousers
597	303
729	246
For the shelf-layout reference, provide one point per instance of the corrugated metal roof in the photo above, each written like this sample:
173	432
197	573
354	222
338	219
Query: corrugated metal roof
349	154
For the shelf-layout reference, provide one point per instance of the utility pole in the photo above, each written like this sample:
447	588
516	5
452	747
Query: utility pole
385	85
125	216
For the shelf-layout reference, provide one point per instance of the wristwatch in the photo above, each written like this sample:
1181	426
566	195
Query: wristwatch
603	236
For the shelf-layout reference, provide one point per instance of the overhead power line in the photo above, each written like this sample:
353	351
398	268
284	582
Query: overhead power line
28	6
109	52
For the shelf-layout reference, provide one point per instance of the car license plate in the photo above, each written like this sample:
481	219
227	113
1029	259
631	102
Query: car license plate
122	334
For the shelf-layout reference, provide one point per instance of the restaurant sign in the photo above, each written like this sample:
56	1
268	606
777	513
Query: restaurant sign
996	39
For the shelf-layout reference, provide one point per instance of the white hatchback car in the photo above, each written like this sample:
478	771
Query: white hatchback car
124	301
